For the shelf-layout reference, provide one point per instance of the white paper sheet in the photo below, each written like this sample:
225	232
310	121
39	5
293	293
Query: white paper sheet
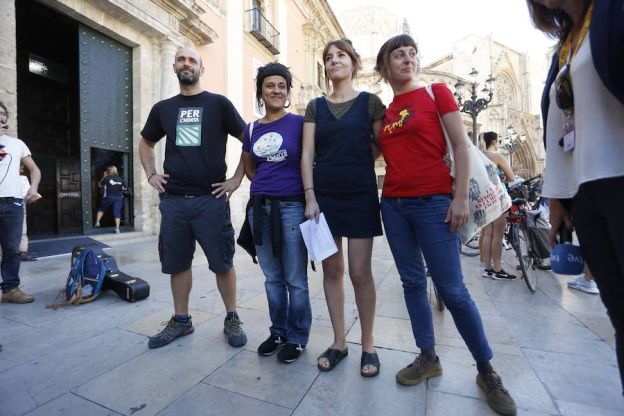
318	239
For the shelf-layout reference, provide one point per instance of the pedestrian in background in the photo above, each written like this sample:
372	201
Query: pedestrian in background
492	234
113	186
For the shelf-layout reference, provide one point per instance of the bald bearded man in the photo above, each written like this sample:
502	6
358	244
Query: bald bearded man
194	192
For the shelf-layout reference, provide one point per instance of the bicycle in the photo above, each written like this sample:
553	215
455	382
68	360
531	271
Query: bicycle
518	233
438	298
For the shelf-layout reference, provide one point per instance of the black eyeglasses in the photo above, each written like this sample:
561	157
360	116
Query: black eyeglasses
563	90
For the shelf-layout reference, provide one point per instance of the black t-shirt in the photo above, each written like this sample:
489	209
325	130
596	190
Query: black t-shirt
196	128
112	185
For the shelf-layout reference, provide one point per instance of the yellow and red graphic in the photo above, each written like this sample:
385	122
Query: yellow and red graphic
401	119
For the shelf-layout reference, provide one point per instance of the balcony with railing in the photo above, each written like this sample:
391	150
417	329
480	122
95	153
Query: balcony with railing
261	29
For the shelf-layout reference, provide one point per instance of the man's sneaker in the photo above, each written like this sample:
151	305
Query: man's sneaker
587	286
418	371
497	395
271	345
16	296
290	353
502	275
117	231
487	273
174	329
97	224
232	327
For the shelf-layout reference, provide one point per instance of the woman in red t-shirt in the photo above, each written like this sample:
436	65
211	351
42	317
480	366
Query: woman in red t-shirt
421	217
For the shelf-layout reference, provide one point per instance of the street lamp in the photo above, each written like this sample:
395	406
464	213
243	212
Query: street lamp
512	142
474	105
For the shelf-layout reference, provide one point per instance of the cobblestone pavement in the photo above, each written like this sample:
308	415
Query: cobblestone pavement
554	349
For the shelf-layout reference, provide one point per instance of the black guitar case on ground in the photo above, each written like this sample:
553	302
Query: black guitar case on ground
127	287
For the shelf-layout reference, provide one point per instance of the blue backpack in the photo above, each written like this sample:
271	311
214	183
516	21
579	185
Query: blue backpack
85	279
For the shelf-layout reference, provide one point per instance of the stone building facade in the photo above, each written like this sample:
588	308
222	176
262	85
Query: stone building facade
80	77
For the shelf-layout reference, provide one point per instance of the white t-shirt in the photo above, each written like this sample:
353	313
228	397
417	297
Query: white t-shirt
599	132
16	149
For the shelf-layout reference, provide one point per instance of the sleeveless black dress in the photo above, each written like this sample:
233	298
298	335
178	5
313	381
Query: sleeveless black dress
345	184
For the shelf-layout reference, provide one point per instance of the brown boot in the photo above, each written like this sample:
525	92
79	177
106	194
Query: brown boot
16	296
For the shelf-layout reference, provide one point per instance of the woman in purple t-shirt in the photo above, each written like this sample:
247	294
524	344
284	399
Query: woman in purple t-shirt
272	156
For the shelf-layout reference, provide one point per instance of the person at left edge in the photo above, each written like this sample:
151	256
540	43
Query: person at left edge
12	152
193	192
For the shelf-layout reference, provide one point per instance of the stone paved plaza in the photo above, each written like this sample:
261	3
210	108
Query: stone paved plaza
554	349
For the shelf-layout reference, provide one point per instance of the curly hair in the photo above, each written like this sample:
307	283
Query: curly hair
271	69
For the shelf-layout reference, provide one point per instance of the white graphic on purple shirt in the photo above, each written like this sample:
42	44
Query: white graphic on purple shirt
268	146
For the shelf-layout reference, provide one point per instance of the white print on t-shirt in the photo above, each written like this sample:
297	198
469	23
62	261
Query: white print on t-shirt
188	126
268	146
112	182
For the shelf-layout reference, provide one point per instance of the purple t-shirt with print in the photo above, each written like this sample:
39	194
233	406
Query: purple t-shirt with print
276	149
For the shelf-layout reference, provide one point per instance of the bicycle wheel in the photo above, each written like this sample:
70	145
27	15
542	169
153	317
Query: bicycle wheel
473	243
470	252
433	291
528	260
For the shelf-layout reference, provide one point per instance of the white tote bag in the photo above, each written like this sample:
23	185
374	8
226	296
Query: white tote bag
487	197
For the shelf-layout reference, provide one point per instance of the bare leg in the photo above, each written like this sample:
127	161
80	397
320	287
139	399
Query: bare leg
117	222
333	276
226	283
98	216
498	230
360	272
486	245
181	284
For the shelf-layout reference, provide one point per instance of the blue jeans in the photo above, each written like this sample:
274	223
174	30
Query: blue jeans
11	222
286	276
415	227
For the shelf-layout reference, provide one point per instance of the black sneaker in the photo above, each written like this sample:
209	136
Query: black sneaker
487	273
502	275
290	353
172	330
271	345
232	327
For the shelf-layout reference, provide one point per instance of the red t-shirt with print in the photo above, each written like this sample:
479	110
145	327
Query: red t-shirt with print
413	145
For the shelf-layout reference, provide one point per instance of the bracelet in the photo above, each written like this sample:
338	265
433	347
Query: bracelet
307	189
150	176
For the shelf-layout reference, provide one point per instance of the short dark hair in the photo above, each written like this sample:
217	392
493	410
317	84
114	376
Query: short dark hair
6	110
489	137
271	69
346	46
383	56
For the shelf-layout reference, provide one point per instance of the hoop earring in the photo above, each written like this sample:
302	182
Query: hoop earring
287	105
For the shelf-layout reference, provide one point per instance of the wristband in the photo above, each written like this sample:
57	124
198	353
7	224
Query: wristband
150	176
307	189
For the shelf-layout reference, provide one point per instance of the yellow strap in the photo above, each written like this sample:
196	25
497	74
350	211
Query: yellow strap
565	48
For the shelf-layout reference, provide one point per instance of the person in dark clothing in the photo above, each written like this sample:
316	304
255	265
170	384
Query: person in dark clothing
113	187
583	113
194	193
337	165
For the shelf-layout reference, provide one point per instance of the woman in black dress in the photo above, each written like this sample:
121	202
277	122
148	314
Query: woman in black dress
337	165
